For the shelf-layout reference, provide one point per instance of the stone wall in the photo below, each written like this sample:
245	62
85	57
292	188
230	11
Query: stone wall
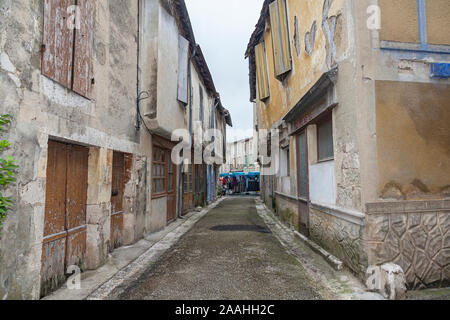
416	236
287	210
44	110
339	236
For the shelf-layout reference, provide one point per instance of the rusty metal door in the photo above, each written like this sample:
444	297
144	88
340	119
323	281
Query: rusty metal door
171	194
118	185
64	241
303	183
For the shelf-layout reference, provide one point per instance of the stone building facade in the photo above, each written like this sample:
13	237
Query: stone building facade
93	91
358	93
241	157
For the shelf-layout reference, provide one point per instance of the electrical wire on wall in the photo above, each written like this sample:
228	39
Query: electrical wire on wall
140	118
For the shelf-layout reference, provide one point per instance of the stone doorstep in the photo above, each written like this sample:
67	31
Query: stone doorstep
337	264
126	261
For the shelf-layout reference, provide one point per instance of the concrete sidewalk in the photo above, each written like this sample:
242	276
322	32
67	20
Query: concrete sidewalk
126	260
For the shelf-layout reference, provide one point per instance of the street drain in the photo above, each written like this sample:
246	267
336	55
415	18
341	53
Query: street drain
249	228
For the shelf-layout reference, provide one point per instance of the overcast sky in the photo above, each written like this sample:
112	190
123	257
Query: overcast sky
222	28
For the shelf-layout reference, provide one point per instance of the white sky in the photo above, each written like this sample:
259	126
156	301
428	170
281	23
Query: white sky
223	28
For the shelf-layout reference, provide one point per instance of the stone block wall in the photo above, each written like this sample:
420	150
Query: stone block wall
287	211
415	235
340	237
98	206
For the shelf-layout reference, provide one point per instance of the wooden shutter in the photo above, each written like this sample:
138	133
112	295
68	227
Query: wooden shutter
202	112
183	54
82	79
280	37
57	55
262	76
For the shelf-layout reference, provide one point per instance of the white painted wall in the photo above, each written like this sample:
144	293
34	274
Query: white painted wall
322	183
170	113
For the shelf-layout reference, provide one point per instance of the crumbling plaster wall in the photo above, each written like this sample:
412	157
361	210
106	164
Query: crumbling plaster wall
159	69
376	65
329	49
414	233
43	110
339	226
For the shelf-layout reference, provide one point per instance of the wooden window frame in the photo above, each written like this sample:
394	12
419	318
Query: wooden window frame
165	178
423	45
324	118
189	181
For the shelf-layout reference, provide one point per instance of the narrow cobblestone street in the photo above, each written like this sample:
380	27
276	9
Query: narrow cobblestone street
229	254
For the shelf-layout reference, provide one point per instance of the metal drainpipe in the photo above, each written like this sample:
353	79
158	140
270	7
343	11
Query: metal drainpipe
190	93
138	84
212	174
180	216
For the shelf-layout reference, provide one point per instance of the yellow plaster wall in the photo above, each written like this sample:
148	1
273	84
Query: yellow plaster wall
306	70
399	21
438	15
413	137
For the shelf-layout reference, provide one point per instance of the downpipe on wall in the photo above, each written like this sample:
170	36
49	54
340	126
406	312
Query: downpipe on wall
180	190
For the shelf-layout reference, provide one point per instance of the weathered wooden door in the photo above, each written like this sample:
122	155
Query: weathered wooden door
188	192
118	185
199	185
171	191
64	241
303	183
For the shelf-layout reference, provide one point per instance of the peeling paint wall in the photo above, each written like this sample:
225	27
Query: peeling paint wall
413	139
325	30
42	110
404	161
390	128
307	69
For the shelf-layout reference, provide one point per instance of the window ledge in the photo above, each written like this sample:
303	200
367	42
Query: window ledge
349	215
325	160
415	47
158	196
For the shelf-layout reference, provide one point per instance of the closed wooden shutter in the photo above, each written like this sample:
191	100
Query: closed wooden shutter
262	76
183	54
201	111
280	37
57	54
83	49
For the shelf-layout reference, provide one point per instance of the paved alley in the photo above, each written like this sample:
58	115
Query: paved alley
229	254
